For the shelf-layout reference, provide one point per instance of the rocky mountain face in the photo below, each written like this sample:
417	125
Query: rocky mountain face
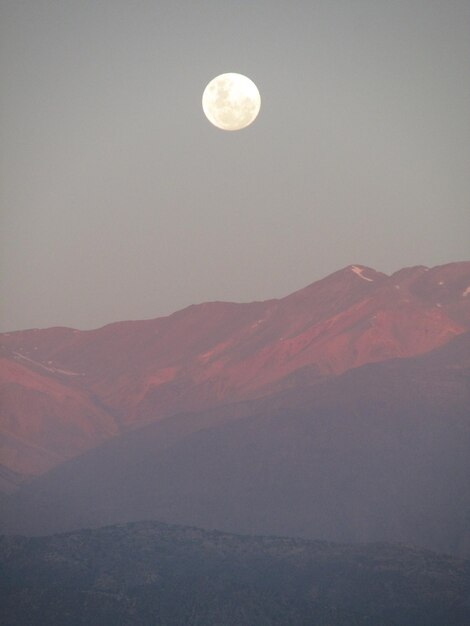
151	573
65	391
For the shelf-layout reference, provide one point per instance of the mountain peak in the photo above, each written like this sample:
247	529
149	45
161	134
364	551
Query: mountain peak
344	278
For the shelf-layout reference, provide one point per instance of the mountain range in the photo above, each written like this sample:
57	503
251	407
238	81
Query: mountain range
339	412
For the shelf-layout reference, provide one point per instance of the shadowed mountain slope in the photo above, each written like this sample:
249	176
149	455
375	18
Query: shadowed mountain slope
154	574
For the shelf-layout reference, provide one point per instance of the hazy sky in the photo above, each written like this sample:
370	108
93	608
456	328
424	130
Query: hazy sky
120	201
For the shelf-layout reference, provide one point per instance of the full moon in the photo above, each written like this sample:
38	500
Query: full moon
231	101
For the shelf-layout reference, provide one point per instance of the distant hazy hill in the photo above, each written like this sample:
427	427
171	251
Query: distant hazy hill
65	391
157	575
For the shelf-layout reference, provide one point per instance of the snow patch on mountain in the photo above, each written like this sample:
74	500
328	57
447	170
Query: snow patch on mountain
54	370
359	272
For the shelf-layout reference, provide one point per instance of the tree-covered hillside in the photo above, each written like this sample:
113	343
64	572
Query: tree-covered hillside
154	574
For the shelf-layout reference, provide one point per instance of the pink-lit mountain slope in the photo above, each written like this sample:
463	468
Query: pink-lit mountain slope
65	390
44	422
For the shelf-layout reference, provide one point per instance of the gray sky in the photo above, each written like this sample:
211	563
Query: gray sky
120	201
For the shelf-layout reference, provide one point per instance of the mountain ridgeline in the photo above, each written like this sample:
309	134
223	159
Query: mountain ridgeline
65	391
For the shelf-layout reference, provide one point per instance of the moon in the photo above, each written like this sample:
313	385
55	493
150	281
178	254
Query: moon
231	101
